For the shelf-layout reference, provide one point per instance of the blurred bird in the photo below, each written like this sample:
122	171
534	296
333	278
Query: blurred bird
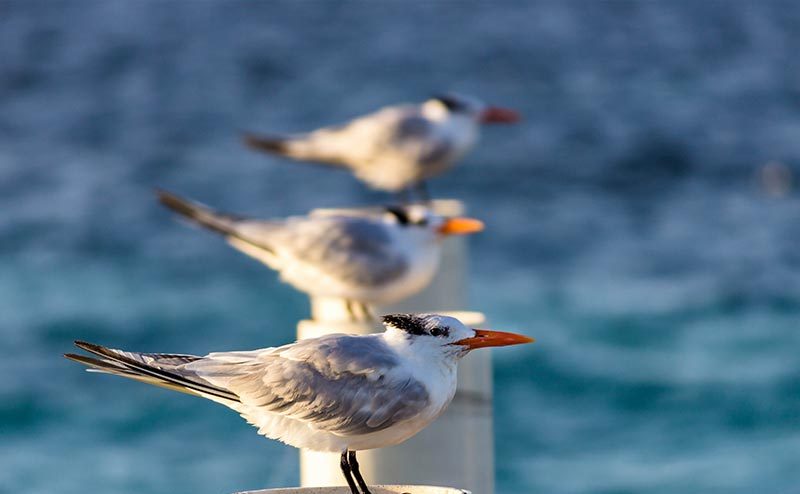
396	148
368	258
336	393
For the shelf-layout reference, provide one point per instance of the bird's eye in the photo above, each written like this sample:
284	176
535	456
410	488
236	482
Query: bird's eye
439	332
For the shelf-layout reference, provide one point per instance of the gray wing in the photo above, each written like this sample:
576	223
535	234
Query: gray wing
350	249
348	385
344	144
416	135
373	138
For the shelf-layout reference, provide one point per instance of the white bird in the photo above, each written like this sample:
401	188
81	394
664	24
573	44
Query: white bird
376	257
336	393
397	147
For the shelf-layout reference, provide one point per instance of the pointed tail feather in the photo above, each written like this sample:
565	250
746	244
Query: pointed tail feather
222	223
199	214
159	369
97	365
309	148
270	144
106	367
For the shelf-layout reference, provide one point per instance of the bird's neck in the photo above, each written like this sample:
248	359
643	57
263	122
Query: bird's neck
424	359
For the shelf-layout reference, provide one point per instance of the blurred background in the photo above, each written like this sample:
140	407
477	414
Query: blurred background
642	224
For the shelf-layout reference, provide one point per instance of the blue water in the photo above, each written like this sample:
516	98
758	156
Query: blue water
634	228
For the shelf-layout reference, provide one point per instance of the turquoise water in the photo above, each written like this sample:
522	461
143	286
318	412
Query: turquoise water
631	228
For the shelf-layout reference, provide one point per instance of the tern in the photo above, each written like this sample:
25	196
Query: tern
336	393
397	147
365	258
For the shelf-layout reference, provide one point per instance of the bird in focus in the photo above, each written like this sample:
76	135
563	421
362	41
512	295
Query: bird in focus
364	258
336	393
395	148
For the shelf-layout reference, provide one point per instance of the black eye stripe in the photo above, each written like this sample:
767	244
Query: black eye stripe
400	214
440	331
403	218
452	104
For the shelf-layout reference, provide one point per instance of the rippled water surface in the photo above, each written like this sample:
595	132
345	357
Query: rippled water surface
642	225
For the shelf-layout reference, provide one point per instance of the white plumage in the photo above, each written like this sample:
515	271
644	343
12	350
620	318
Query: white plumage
376	257
396	147
338	393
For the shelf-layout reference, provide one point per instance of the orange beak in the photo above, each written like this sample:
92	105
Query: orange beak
494	114
485	338
460	226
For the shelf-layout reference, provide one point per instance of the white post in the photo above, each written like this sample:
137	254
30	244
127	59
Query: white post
375	489
456	450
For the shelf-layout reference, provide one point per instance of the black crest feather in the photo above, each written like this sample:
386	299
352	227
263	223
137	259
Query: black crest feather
451	102
410	323
417	324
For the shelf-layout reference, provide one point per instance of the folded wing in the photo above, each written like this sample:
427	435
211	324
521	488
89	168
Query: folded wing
352	250
347	385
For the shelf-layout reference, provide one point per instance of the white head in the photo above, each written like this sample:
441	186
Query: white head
420	221
434	336
453	105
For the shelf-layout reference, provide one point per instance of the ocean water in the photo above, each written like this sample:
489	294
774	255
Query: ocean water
642	224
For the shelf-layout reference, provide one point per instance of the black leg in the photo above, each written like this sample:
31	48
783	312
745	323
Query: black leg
357	473
346	472
357	311
349	305
367	311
